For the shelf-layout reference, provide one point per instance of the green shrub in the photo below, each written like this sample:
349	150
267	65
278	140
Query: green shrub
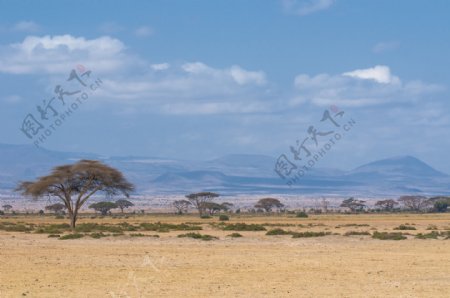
388	236
405	228
224	217
99	235
164	227
205	216
11	227
71	236
431	235
309	234
357	233
59	217
278	232
243	227
432	227
301	214
234	235
54	236
198	236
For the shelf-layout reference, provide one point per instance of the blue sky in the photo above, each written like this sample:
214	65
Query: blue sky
201	79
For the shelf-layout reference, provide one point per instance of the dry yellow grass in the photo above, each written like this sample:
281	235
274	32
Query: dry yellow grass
253	266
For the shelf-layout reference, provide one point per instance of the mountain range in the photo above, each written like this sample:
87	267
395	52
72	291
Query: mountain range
234	174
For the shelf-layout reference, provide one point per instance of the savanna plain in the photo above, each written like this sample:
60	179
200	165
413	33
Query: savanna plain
160	255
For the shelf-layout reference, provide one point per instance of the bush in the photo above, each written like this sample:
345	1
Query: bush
224	217
309	234
243	227
71	236
431	235
301	214
59	217
205	216
164	227
357	233
234	235
388	236
405	228
198	236
54	236
98	235
11	227
278	232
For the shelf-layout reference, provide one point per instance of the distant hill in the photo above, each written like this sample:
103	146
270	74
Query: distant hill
235	173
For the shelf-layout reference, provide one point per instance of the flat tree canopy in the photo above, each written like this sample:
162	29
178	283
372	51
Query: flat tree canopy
122	203
74	184
199	199
103	207
268	204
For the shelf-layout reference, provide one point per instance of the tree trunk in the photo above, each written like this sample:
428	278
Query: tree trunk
73	220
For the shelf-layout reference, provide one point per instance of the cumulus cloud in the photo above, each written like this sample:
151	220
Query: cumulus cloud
57	54
363	87
379	73
160	66
192	88
305	7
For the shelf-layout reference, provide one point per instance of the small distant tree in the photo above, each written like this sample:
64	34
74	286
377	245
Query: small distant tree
56	208
440	204
353	204
7	207
122	203
103	207
386	205
212	207
74	184
414	203
41	212
199	199
226	206
268	204
181	206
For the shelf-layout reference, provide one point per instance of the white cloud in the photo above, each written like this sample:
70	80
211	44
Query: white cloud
385	46
58	54
191	88
305	7
379	73
365	87
26	26
160	66
243	77
144	31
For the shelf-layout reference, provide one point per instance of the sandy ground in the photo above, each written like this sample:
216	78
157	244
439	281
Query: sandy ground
256	265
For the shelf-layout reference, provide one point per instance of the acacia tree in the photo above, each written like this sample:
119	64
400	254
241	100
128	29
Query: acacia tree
268	204
57	207
353	204
7	207
181	206
199	199
122	203
74	184
103	207
387	205
414	203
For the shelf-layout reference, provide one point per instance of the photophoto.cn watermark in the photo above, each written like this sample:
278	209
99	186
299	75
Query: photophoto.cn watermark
52	113
308	151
